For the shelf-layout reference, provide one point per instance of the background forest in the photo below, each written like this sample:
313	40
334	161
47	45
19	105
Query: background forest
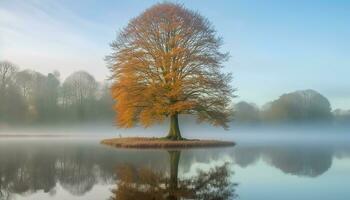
30	97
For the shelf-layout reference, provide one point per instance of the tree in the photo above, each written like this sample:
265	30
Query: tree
7	71
303	105
341	116
24	81
11	103
40	93
246	112
167	62
104	102
37	97
52	88
79	89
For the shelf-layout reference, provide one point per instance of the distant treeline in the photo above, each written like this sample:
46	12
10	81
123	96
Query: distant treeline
295	107
28	96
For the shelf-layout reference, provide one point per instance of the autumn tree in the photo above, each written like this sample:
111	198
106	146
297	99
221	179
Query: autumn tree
146	183
167	62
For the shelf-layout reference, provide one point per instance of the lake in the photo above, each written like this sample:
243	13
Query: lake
81	168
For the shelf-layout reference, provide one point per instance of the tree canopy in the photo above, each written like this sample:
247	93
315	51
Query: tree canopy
303	105
165	62
246	112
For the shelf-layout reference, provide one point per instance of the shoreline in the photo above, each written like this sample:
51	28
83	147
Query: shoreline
160	143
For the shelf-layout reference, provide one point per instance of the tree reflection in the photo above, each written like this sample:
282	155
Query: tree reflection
148	184
301	161
76	176
39	168
26	168
245	156
20	174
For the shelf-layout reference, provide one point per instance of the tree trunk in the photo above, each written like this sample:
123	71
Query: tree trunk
174	132
174	166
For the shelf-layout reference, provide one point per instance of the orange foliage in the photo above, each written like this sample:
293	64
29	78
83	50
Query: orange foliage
167	62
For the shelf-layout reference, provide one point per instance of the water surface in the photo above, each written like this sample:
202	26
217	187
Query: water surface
76	168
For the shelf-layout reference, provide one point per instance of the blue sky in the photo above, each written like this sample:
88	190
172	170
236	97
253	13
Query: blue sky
275	46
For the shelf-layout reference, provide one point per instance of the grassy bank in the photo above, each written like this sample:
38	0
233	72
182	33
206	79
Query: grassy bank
143	142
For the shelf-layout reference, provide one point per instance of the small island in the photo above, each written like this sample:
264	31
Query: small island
146	142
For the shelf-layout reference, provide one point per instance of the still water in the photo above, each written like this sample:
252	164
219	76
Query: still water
68	168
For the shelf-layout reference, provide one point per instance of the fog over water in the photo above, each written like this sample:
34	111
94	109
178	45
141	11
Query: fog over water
81	168
239	133
275	161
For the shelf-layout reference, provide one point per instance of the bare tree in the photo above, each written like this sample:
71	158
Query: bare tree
7	72
11	104
78	89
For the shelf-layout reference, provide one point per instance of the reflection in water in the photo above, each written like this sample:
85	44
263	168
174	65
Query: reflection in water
299	160
23	175
28	167
135	182
76	176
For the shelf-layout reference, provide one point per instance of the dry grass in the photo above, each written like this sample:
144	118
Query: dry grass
143	142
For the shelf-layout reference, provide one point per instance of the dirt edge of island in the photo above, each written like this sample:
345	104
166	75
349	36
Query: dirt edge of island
161	143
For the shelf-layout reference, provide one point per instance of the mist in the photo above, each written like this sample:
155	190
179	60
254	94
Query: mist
34	104
174	100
